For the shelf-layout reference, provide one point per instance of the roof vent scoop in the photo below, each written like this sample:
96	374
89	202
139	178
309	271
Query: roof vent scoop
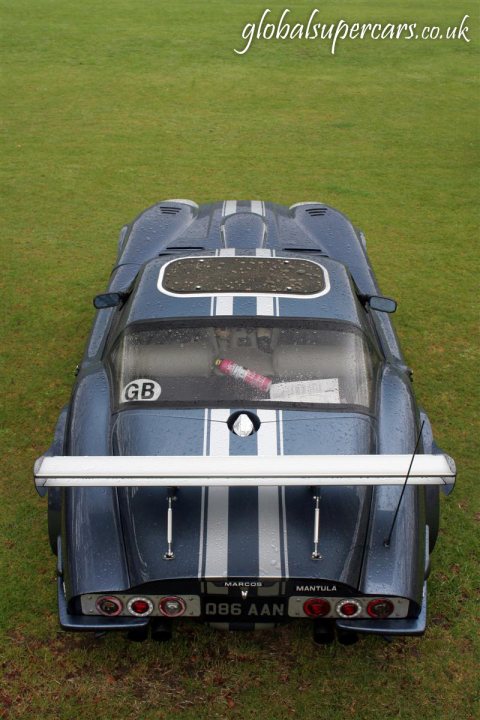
244	231
169	209
316	211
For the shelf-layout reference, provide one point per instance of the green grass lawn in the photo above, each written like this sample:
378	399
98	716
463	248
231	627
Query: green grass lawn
108	107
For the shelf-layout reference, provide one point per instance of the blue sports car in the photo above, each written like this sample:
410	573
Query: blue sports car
243	446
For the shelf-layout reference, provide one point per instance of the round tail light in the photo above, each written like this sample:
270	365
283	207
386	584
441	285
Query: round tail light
348	608
140	606
316	607
109	605
380	608
172	606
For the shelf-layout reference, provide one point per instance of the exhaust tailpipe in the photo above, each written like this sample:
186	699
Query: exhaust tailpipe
346	637
323	632
161	630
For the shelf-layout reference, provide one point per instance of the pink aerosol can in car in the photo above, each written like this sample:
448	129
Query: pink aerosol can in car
249	377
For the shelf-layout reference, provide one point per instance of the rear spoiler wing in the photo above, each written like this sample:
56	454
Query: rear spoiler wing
253	471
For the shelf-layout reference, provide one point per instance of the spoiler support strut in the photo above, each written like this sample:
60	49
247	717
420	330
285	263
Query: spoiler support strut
316	526
169	555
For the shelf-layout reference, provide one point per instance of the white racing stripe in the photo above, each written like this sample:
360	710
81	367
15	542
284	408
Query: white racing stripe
217	443
216	561
229	207
284	507
265	303
202	522
268	502
216	552
204	492
270	443
224	303
258	207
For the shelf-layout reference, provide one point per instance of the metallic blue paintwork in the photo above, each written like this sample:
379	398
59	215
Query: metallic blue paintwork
331	234
111	538
399	567
159	432
339	303
244	232
350	251
329	433
89	426
98	335
142	512
344	510
93	541
151	228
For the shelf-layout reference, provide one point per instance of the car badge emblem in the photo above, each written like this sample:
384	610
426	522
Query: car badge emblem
244	594
243	426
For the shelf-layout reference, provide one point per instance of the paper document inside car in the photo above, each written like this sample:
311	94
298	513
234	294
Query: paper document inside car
324	390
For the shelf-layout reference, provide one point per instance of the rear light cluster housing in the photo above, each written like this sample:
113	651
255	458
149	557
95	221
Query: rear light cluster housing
175	606
380	608
170	606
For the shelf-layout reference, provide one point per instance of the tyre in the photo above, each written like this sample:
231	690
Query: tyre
54	500
432	513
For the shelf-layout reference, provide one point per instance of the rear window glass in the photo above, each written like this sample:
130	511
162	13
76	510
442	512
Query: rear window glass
237	275
243	364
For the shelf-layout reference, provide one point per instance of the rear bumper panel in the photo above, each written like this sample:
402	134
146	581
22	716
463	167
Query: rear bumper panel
98	624
271	610
405	626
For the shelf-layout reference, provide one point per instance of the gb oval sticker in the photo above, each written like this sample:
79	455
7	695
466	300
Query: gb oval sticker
141	390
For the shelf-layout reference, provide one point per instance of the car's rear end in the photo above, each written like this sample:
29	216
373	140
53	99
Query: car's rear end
244	542
240	454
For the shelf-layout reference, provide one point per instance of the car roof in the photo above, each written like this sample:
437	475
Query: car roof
332	295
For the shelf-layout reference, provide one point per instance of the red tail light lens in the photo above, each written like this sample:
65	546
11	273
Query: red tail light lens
380	608
348	608
172	606
316	607
109	605
140	606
